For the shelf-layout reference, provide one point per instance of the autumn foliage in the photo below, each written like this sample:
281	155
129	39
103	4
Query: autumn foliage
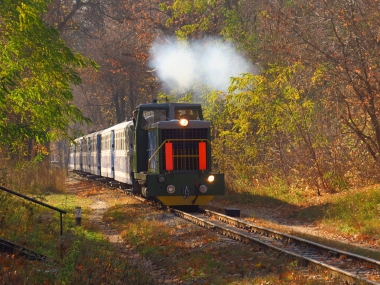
308	116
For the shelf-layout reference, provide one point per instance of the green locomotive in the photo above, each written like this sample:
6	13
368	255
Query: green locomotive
172	155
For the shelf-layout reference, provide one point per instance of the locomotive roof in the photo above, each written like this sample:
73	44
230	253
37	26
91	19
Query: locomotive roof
172	107
169	105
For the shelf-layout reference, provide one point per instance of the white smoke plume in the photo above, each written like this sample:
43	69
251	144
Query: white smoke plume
211	62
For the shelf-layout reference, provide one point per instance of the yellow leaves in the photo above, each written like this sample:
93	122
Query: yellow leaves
164	7
319	74
265	14
291	93
21	17
26	14
259	265
23	11
41	149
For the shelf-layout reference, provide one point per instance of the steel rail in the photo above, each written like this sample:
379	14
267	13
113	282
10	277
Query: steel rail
349	267
10	247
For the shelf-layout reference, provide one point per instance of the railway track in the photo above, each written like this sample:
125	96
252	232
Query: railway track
348	267
12	248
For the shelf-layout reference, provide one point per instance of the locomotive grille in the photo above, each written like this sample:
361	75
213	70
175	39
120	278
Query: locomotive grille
185	152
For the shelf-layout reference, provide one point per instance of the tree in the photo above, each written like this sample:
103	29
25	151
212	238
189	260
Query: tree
335	42
37	71
339	41
117	35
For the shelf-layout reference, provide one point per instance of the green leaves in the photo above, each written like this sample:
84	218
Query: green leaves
263	117
37	71
202	15
270	101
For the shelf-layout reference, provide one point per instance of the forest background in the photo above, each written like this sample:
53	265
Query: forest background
308	117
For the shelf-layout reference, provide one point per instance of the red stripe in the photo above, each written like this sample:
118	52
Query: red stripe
202	156
169	155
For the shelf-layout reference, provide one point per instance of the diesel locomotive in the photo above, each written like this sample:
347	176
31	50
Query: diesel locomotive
163	153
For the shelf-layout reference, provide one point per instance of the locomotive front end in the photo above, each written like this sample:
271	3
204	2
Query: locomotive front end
179	166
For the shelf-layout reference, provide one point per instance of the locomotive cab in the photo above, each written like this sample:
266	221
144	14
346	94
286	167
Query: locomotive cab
172	155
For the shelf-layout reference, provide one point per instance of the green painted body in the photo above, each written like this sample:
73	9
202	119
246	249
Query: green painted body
149	154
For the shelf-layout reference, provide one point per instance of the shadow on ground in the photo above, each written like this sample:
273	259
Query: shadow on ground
272	209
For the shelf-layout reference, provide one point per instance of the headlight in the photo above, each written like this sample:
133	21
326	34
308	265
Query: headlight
170	189
203	189
183	122
161	179
211	178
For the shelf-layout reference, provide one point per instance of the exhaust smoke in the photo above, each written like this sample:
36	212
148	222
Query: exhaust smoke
184	65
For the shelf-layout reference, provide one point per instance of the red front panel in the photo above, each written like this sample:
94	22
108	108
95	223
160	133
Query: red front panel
169	155
202	156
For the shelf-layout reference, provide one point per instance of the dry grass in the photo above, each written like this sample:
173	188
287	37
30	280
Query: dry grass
32	177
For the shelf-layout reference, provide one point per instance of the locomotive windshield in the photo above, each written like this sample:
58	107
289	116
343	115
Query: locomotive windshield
191	114
153	116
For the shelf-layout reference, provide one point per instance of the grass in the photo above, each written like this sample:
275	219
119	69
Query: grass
350	211
93	260
357	213
81	256
87	259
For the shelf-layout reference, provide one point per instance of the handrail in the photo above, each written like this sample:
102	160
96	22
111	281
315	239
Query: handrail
37	202
169	140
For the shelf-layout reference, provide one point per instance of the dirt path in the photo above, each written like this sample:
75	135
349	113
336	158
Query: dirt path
102	200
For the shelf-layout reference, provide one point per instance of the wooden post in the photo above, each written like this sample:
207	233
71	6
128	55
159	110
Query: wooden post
78	213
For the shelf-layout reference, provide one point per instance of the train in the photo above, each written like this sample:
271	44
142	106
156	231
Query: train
163	154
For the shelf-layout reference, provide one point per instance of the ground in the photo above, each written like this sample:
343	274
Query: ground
283	218
280	217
